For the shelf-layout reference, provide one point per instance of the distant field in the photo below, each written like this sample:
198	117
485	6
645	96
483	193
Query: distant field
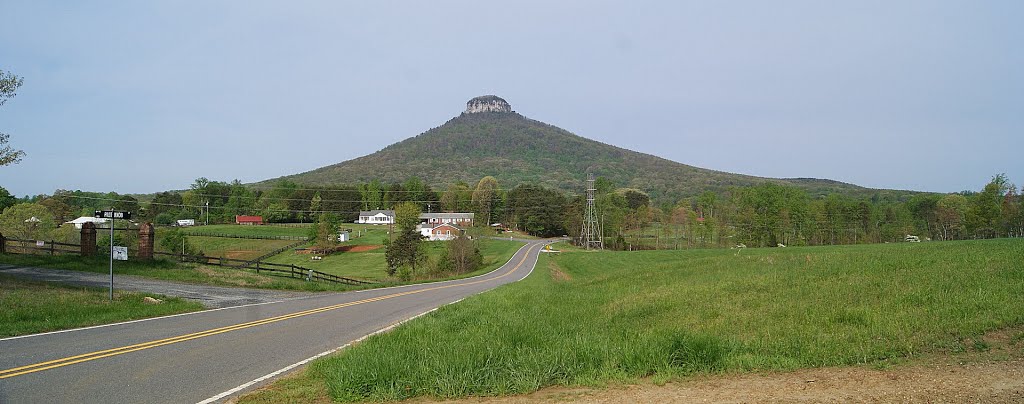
236	248
34	307
240	230
590	318
370	265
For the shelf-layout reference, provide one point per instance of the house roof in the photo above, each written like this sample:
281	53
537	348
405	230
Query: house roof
87	219
446	225
446	215
376	212
248	218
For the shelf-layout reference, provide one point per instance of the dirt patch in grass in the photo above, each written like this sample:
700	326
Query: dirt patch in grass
359	248
557	274
237	255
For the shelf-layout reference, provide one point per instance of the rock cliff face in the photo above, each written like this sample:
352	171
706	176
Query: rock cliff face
487	103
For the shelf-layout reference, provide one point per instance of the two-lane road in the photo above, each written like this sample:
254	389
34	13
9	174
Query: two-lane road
201	356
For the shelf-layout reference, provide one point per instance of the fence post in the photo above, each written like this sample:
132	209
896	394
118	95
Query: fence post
147	234
88	246
3	244
51	247
309	276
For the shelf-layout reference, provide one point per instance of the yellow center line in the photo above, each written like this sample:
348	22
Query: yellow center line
71	360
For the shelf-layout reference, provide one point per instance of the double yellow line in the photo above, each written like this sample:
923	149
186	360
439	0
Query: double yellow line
91	356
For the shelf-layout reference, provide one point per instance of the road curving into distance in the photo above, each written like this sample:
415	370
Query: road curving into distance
211	355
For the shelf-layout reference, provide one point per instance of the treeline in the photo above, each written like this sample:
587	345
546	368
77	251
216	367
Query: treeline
768	214
771	214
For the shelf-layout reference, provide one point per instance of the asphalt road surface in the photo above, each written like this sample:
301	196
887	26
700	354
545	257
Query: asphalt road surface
212	355
213	297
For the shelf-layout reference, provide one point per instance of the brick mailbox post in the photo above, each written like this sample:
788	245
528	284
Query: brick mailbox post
88	239
147	234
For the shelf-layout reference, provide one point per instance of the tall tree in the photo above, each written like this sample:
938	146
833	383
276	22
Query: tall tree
407	250
484	197
372	194
9	84
456	198
30	221
952	212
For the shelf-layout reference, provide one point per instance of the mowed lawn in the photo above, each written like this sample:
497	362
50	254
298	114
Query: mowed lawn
288	230
591	318
370	264
236	248
34	307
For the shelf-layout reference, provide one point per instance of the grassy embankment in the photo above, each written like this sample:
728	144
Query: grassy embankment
33	307
370	265
171	271
592	318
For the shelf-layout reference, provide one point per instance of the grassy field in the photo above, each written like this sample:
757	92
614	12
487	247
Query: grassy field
297	230
370	265
172	271
34	307
236	248
593	318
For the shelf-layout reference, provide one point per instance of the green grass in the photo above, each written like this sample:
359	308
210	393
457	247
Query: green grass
370	265
610	317
34	307
297	230
236	248
172	271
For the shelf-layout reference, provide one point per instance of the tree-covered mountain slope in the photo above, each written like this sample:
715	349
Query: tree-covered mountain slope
498	142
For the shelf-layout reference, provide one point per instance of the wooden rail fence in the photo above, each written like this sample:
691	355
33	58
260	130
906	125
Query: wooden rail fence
289	270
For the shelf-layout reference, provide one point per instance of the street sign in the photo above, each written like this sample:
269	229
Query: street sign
113	214
120	253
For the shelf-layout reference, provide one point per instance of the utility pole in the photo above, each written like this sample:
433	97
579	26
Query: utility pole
589	237
207	213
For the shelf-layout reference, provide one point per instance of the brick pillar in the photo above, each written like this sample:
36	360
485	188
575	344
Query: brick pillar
88	239
147	234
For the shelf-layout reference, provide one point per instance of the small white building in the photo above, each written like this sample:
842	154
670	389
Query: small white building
376	217
344	236
186	222
87	219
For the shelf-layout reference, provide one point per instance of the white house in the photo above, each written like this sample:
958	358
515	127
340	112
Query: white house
87	219
458	219
186	222
376	217
442	231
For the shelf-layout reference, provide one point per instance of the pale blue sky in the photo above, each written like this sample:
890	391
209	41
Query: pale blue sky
147	96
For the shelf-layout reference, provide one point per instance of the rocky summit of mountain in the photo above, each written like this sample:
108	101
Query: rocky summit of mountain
489	138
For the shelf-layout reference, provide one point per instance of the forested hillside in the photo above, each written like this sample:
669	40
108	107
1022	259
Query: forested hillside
515	149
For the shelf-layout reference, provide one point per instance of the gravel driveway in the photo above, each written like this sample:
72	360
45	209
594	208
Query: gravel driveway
209	296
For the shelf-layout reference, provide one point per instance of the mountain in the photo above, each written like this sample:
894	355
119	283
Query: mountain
489	138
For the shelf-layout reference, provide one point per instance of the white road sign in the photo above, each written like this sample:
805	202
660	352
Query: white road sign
120	253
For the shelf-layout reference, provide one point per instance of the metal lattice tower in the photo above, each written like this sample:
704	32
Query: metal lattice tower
590	234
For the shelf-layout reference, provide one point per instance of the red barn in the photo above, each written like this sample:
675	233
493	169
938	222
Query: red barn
250	220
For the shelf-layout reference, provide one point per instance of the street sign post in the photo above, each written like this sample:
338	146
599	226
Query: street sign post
113	215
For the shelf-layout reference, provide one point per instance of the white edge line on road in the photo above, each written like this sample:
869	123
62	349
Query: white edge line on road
356	341
138	321
319	355
253	304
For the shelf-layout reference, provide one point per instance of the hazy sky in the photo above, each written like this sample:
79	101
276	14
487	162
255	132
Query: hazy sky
147	96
